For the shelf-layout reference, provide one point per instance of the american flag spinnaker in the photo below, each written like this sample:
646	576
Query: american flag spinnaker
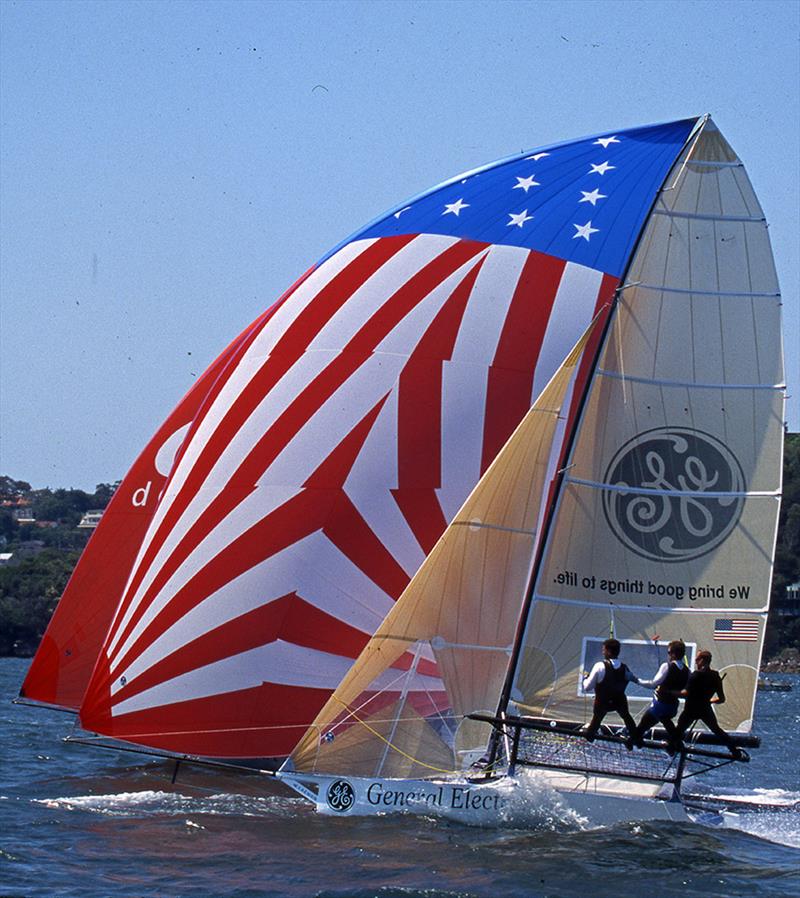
332	451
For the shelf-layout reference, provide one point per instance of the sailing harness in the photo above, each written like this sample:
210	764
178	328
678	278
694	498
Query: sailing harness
609	690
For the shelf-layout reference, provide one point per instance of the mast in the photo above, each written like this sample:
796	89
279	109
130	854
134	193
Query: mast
569	444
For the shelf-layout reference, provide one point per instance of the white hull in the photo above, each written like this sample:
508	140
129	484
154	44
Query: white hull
523	799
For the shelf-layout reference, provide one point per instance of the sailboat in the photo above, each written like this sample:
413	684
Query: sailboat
533	407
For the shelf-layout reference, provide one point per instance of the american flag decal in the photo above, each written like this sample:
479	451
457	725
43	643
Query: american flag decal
736	629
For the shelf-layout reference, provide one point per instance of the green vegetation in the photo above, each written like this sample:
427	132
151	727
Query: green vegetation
44	550
29	593
783	635
50	547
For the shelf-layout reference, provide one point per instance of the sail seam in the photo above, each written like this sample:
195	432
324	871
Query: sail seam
689	292
617	606
686	383
705	494
700	217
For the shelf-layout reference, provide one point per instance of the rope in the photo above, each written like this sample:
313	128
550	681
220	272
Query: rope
394	747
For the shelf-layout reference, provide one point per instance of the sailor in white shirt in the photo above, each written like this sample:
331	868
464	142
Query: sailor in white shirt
609	679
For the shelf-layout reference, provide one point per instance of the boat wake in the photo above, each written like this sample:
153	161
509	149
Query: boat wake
771	814
159	803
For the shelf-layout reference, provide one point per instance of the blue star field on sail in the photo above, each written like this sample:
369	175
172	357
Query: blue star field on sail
582	201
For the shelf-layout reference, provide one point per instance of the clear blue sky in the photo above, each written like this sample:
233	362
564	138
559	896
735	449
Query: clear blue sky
168	169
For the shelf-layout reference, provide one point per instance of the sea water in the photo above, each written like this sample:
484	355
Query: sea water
77	821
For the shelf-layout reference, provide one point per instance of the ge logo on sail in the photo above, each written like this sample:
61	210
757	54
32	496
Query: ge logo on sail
686	524
341	796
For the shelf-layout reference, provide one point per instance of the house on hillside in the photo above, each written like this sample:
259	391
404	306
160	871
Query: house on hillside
90	519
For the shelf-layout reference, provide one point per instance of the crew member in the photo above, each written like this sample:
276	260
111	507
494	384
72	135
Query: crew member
668	683
609	679
703	690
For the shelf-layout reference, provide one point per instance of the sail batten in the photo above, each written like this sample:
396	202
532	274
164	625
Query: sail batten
649	491
665	288
671	213
687	383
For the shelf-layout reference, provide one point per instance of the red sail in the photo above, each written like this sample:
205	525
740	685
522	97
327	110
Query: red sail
63	664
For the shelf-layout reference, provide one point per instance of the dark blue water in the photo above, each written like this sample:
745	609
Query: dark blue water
76	821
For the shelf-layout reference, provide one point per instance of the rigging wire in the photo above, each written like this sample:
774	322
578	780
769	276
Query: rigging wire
400	751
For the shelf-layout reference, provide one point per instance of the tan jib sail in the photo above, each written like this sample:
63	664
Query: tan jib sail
665	524
443	650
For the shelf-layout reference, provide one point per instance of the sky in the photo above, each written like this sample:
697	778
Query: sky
167	170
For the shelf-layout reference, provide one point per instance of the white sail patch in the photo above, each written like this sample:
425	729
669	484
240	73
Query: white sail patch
463	412
280	663
377	462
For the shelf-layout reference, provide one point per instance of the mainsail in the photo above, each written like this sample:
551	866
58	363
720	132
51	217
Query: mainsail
442	652
317	478
666	519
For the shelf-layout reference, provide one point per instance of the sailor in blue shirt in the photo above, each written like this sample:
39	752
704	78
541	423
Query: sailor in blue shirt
668	683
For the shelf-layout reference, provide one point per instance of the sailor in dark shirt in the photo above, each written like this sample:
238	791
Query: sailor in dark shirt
609	679
704	684
669	682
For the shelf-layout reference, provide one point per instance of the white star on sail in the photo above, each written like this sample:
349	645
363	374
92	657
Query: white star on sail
585	231
526	183
455	207
601	169
401	211
519	219
605	141
538	156
592	196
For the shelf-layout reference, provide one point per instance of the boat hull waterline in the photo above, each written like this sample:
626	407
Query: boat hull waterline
524	798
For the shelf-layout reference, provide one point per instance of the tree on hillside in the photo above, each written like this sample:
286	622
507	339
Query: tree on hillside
11	489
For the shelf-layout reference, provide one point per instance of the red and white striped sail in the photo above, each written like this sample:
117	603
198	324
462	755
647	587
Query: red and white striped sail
323	468
330	454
